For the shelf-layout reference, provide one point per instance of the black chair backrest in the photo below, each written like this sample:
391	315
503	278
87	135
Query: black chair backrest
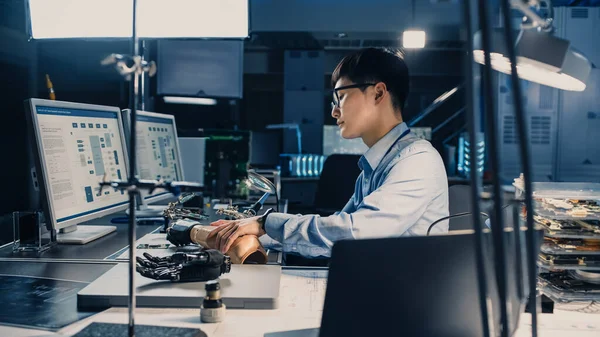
336	184
459	201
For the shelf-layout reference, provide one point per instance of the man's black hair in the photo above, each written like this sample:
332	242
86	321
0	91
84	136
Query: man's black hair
371	65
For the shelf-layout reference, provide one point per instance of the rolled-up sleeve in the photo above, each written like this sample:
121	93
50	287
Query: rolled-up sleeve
391	210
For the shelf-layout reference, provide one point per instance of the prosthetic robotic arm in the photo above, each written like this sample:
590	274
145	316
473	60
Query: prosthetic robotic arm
203	266
245	249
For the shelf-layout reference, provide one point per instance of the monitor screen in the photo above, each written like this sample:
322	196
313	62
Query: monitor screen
204	68
52	19
157	150
79	145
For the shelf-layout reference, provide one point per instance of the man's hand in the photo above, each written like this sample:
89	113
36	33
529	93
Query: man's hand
229	230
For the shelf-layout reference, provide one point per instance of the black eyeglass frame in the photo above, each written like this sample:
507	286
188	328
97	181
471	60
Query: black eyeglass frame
336	102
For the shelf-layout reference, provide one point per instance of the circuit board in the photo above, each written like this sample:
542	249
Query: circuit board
583	229
567	208
561	246
568	286
564	262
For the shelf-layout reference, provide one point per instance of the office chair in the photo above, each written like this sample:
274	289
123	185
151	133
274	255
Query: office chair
459	201
336	184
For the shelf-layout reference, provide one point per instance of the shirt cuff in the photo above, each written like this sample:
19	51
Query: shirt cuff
275	225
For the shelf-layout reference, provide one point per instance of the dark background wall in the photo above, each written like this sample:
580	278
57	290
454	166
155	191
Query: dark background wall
332	27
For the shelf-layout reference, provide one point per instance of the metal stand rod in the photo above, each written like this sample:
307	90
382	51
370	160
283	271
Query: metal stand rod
142	100
475	177
133	185
132	190
497	218
525	161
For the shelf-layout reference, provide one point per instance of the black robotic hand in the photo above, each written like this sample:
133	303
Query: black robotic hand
179	233
203	266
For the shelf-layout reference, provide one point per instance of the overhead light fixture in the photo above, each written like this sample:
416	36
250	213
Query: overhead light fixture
89	19
189	100
541	57
412	39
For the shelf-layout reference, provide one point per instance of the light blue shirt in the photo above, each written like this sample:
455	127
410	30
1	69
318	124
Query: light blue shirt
401	191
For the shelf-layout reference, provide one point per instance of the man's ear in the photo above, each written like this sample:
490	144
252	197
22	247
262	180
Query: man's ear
380	91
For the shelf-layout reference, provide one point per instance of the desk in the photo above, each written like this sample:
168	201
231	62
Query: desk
301	300
96	250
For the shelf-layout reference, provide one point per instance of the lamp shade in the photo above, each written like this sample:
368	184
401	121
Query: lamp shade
541	58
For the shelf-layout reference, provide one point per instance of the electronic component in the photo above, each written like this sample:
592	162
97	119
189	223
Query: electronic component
153	246
568	286
566	262
567	208
571	246
584	229
212	309
173	212
227	157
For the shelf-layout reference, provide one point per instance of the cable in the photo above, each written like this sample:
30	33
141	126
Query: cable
457	215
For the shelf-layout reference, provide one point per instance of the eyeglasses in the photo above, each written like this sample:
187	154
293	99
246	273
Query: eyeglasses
336	101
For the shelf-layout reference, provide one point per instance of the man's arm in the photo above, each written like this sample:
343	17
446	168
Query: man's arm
391	210
269	243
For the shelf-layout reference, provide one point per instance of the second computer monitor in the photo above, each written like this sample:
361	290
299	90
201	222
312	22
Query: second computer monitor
157	151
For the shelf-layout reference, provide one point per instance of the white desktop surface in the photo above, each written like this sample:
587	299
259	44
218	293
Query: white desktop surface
301	300
245	286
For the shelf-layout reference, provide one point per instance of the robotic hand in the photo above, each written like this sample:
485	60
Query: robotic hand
203	266
179	233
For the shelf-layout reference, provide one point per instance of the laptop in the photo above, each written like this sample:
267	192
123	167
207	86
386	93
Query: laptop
244	287
413	286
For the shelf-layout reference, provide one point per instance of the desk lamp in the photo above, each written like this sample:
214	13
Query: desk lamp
538	57
541	57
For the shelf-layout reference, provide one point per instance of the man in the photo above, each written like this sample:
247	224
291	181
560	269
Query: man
402	188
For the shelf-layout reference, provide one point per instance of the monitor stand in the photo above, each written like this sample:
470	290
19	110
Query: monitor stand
80	235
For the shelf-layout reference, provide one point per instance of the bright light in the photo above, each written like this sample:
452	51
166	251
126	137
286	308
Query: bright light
190	100
80	19
51	19
531	72
413	39
193	18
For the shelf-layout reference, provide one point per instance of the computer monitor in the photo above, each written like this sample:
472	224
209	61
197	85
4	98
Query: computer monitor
76	147
158	156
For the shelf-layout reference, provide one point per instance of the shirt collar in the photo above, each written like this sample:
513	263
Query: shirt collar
375	154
